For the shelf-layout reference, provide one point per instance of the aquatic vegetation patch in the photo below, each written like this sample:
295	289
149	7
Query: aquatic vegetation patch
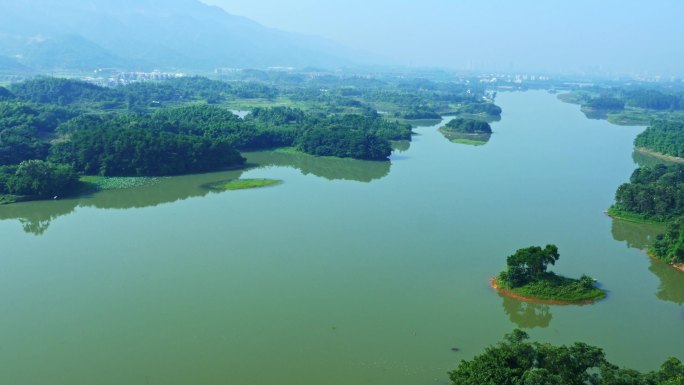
243	184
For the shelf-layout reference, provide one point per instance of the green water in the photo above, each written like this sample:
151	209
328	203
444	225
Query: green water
349	272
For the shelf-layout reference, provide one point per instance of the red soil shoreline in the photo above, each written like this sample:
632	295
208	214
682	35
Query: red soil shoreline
677	266
510	294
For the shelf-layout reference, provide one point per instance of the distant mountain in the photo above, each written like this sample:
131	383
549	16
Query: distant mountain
146	34
10	65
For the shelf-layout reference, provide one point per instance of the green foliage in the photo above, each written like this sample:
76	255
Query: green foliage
669	247
552	287
515	361
139	152
665	137
22	125
606	103
468	126
485	108
529	264
653	192
61	91
37	179
342	142
526	275
653	99
422	112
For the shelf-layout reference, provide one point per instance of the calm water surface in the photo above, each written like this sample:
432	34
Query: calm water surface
348	273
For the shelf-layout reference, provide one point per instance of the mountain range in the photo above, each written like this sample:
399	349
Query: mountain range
48	35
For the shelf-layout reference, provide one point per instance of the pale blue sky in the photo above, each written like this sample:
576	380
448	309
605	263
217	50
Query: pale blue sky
562	35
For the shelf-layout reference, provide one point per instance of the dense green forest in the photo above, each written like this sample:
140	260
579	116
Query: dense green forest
665	137
184	125
516	361
655	193
606	103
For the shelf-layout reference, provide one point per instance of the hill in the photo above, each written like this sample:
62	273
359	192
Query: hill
148	34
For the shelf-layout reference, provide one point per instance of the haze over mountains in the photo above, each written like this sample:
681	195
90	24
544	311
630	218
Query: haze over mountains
47	35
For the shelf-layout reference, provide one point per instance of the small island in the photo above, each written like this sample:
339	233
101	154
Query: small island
526	278
467	131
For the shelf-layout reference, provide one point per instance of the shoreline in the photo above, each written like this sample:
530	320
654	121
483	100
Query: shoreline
659	155
510	294
677	266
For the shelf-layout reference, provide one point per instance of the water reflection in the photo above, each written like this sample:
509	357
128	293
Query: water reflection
644	159
671	282
35	217
636	235
640	236
527	315
325	167
401	145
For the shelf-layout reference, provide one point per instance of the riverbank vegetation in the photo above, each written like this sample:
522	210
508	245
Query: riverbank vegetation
669	247
185	125
653	193
243	184
515	361
526	277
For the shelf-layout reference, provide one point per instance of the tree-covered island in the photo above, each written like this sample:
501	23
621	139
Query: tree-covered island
467	131
526	277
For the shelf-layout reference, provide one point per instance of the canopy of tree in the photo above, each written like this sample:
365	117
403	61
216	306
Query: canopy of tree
529	264
515	361
653	192
38	179
139	152
666	137
653	99
606	103
469	126
486	108
422	112
22	127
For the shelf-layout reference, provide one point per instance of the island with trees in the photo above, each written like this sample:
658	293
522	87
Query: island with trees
526	278
467	131
516	361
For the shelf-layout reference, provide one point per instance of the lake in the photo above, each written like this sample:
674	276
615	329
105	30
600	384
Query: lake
350	272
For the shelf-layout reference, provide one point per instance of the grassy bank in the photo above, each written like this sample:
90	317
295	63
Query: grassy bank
554	288
616	213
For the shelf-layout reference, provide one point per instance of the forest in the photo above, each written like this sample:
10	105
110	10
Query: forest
665	137
515	361
654	193
185	125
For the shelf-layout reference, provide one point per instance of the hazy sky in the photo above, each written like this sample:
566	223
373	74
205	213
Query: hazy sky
558	35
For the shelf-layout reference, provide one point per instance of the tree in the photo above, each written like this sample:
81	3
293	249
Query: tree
529	264
41	179
514	361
